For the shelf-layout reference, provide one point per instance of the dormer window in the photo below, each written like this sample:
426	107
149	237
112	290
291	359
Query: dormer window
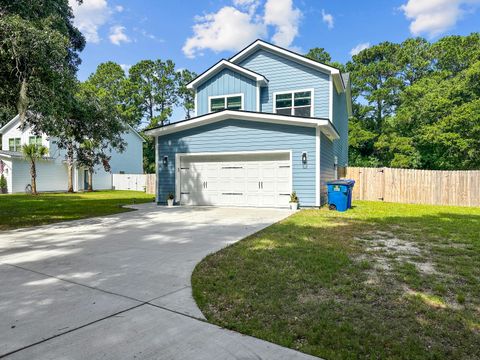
297	103
35	140
230	102
14	144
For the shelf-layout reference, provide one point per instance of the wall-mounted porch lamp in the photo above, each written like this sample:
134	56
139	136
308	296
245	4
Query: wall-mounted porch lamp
304	158
165	161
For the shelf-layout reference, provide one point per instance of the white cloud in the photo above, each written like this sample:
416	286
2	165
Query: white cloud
125	67
227	29
89	16
359	47
327	19
117	35
151	36
119	8
285	18
434	17
233	27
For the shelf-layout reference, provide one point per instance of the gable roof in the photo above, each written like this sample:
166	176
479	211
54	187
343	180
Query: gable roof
17	118
325	125
260	44
225	64
9	124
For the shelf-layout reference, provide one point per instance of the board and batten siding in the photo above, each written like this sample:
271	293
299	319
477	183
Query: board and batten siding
227	82
51	175
287	75
238	135
340	121
327	165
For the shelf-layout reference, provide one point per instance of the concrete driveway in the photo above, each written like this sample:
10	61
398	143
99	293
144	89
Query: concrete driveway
118	287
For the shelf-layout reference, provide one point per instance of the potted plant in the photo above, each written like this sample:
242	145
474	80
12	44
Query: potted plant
3	184
294	201
170	199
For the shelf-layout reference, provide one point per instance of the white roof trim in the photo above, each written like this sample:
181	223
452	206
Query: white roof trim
135	132
260	79
9	124
325	125
259	44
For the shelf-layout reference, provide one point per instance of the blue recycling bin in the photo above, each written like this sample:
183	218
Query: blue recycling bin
340	194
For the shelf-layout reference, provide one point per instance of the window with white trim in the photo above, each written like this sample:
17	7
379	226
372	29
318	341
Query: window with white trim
232	102
35	140
298	103
14	144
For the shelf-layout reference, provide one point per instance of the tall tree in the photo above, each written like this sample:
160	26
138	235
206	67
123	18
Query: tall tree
99	129
39	49
320	55
155	83
110	81
186	96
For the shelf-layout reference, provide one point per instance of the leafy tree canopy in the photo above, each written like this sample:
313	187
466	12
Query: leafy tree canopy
415	104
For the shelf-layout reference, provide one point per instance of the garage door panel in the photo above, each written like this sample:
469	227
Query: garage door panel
236	180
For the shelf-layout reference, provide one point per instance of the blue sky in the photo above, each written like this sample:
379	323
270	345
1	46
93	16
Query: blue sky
195	34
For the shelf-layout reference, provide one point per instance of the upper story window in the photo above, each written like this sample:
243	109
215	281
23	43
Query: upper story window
298	103
14	144
230	102
36	140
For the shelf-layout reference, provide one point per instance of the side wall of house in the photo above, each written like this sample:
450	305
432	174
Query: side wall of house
51	176
327	166
287	75
227	82
131	160
236	136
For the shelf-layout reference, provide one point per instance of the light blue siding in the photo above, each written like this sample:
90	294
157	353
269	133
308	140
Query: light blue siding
227	82
327	166
340	121
237	135
286	75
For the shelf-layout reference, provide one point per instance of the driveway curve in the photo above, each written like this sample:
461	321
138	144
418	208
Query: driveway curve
118	287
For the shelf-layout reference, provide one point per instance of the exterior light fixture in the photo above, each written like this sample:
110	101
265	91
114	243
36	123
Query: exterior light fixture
165	160
304	158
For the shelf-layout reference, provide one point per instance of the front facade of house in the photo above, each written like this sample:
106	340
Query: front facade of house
267	122
52	171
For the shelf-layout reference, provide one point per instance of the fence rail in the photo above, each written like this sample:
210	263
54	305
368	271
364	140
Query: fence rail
434	187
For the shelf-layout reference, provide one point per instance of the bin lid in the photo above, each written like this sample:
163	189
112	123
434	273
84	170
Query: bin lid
346	182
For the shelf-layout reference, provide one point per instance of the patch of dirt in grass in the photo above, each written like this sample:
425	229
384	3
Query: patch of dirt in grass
384	249
319	296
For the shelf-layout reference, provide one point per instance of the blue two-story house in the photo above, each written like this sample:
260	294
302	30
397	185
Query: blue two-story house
267	122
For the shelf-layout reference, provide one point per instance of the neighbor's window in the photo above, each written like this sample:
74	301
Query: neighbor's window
14	144
226	102
298	103
36	140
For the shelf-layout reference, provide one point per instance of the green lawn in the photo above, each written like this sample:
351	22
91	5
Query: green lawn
379	281
22	210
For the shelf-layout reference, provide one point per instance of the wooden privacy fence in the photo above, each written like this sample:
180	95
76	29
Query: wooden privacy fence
434	187
151	182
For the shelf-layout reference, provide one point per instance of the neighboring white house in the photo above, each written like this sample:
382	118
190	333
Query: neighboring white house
52	171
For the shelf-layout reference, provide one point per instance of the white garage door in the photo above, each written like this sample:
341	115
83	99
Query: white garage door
261	180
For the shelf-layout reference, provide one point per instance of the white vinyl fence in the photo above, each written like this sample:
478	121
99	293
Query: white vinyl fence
137	182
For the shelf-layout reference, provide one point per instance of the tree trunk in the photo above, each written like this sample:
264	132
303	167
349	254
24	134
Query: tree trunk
33	173
70	169
90	179
70	177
